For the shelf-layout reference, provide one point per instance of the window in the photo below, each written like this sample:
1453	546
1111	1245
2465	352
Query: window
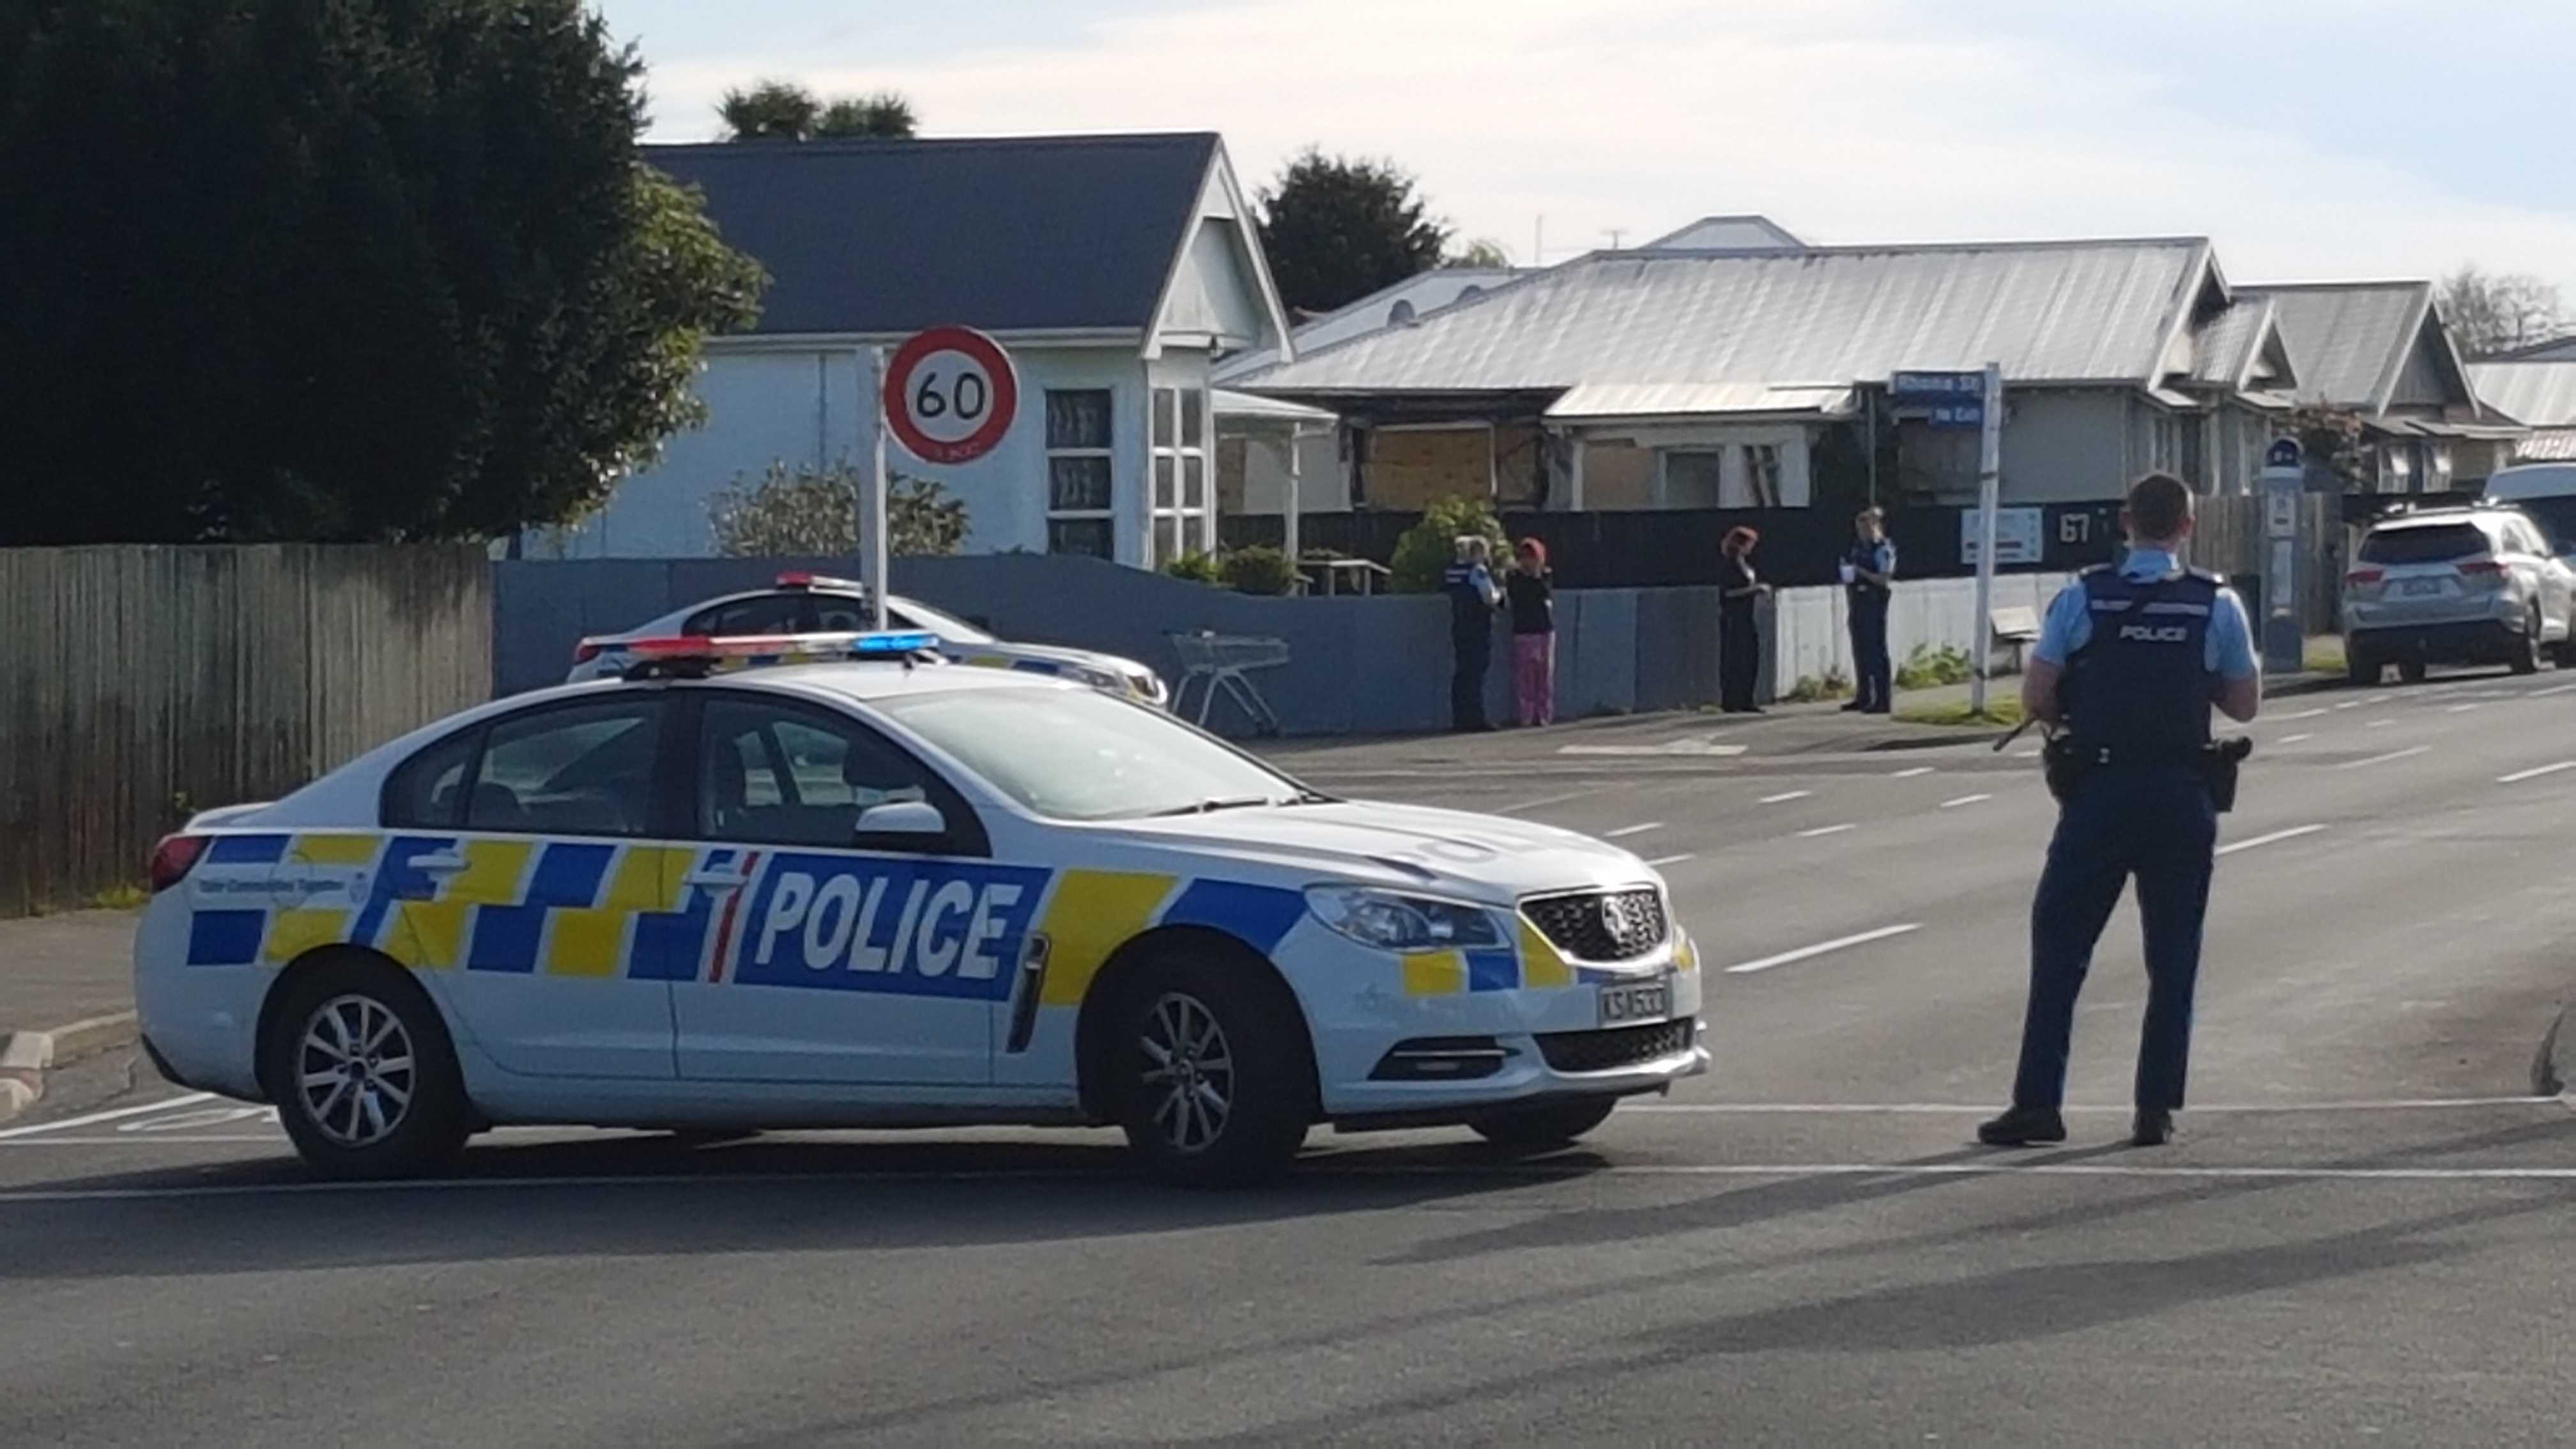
913	614
760	614
1077	754
421	794
579	770
780	774
1399	314
1184	515
1694	480
1078	442
2423	543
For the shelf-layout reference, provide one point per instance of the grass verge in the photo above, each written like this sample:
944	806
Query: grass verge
2001	713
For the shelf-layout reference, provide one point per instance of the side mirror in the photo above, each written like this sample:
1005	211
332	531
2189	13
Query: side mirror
903	817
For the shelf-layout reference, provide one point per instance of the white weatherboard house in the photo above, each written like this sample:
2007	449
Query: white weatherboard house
1113	268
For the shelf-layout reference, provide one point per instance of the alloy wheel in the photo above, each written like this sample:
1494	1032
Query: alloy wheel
1189	1072
355	1071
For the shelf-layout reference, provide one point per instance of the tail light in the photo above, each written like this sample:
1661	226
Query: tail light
2483	573
173	858
2364	578
587	650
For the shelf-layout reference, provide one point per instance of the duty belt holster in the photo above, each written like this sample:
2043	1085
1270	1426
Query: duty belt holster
2068	764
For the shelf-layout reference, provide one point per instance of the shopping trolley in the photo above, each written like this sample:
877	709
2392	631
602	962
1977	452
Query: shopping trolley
1224	662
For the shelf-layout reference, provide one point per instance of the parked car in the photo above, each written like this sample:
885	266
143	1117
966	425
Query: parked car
800	603
887	891
2547	492
2456	586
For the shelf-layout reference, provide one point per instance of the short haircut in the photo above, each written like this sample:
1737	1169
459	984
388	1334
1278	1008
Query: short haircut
2159	505
1872	513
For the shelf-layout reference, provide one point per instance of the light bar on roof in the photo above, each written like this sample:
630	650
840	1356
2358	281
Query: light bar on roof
753	651
803	580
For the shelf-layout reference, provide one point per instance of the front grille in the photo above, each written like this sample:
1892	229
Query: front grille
1616	1047
1601	925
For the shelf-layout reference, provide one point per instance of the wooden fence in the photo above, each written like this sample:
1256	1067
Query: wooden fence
2229	540
140	684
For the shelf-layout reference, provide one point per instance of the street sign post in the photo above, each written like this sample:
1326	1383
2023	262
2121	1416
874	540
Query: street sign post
2283	486
1965	400
949	396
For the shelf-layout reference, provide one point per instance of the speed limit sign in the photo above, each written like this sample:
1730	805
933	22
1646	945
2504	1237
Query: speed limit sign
950	394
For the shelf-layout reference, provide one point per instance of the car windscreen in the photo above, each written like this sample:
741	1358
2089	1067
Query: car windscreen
1077	754
2424	543
2556	517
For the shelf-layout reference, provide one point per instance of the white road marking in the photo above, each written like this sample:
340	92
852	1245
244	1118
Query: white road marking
1625	831
2275	838
1910	774
1964	800
112	1115
1804	953
2460	709
1987	1109
2385	759
1786	796
2378	724
1663	860
1687	745
274	1139
1542	802
2519	776
2028	752
2292	739
2553	689
1825	830
2302	714
2349	704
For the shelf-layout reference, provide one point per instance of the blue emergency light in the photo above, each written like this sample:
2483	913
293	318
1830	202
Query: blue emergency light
698	655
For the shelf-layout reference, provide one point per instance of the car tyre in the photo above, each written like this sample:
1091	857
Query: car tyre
1551	1124
1212	1088
2526	655
2412	671
2362	670
363	1074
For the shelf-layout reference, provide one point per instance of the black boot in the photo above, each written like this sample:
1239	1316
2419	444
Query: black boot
2022	1127
2154	1127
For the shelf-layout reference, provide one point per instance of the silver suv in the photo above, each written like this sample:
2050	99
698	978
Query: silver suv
2456	586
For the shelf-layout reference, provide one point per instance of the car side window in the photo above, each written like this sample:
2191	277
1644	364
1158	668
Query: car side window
776	773
426	792
577	770
841	614
760	614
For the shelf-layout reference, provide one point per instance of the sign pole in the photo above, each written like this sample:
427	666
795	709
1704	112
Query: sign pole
1990	468
2284	488
872	503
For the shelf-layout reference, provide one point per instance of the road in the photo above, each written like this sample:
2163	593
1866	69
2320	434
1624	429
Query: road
2362	1233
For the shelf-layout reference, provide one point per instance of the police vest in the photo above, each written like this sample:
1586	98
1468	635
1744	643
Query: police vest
2141	685
1863	556
1469	614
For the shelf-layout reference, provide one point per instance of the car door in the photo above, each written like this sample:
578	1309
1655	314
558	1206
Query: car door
2557	581
530	890
849	957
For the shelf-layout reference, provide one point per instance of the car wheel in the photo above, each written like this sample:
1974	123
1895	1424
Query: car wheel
1552	1124
2526	654
364	1078
2412	671
1212	1088
2361	669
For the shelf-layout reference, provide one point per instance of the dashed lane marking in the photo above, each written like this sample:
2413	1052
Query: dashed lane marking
2302	714
2389	758
1785	796
2292	739
2552	690
2519	776
1542	802
1965	800
1824	830
1910	774
1624	831
1807	953
1665	860
2275	838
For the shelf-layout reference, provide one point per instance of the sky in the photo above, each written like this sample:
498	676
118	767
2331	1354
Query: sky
2310	140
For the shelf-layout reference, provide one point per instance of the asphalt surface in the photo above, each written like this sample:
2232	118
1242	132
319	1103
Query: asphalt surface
2361	1235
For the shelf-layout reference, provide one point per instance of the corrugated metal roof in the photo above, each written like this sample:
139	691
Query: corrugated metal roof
1026	234
1696	399
1421	293
2097	311
2224	349
2551	445
1232	406
1727	234
2542	394
2347	339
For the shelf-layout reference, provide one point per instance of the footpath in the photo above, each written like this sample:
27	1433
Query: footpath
66	991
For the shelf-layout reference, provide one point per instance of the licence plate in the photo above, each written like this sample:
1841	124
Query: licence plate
2417	587
1642	1001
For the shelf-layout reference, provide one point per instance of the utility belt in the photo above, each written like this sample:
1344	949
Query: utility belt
2069	763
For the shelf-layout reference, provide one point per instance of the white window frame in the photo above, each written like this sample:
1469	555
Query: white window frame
1106	513
1195	527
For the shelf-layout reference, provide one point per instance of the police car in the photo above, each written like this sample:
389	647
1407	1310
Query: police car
816	883
806	603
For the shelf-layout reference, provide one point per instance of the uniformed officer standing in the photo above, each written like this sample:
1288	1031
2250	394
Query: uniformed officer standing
1473	594
2129	662
1869	586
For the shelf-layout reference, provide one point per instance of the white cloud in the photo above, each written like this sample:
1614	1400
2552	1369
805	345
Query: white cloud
1849	120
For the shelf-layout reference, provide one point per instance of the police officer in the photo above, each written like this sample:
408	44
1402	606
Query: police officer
1469	583
1869	584
2129	662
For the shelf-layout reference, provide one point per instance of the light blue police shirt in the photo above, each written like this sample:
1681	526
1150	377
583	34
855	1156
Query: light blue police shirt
2228	648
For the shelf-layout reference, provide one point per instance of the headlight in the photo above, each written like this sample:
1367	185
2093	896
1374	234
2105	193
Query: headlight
1391	921
1100	679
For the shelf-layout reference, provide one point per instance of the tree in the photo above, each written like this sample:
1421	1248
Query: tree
1483	254
323	269
2490	313
883	116
809	512
777	110
2334	443
1424	551
1336	230
772	110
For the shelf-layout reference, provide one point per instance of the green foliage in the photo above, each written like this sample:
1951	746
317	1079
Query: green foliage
1809	689
1259	569
809	512
2333	441
2003	711
1929	668
1336	230
778	110
320	269
1482	254
1427	548
1197	567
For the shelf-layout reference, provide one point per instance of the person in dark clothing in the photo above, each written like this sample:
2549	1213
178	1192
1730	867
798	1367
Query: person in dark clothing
1531	592
1869	583
1469	582
1739	644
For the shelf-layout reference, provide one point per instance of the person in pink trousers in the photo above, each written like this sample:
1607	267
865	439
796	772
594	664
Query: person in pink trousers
1530	591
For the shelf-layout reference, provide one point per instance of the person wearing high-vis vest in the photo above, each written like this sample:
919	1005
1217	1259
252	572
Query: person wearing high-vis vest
2129	663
